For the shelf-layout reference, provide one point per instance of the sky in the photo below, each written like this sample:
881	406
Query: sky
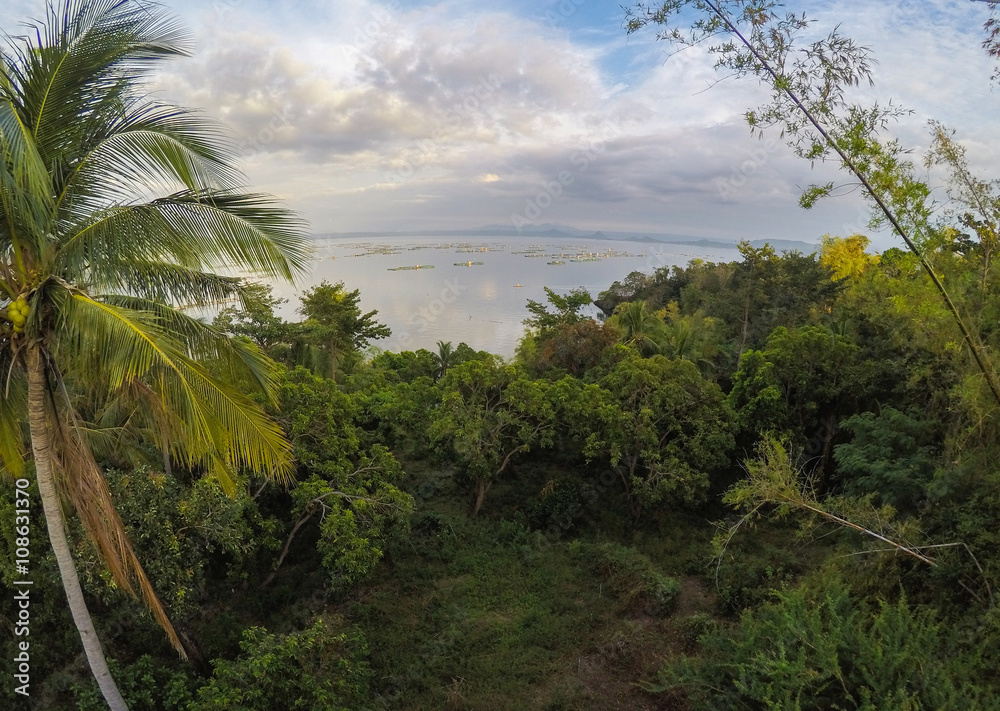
426	115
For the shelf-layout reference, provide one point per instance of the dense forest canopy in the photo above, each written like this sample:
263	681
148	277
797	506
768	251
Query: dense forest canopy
765	483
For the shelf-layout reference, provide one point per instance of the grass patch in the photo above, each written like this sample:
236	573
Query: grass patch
491	614
486	614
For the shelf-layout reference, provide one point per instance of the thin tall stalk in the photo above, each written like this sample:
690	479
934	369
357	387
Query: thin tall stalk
977	351
836	68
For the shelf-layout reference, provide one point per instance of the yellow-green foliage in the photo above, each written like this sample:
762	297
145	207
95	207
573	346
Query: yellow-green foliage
845	257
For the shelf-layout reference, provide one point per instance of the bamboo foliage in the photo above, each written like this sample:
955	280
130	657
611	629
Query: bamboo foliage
810	83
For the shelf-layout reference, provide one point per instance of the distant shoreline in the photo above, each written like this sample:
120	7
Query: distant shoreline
781	245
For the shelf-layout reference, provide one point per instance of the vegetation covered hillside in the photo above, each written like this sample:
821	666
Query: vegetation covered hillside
765	484
606	521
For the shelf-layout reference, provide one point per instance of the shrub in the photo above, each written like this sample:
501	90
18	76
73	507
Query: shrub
320	669
887	457
827	651
631	576
147	685
559	506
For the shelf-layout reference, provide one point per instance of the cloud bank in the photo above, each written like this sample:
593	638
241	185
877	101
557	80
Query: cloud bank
426	115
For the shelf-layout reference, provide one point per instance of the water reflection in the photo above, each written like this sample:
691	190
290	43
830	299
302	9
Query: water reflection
484	305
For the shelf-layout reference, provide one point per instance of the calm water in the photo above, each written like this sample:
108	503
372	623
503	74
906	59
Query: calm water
481	304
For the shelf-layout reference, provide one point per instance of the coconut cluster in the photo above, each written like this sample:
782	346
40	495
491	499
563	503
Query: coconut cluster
17	313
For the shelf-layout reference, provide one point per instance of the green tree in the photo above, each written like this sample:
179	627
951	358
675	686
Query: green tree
571	348
694	337
464	352
406	366
638	326
400	414
799	386
491	414
567	310
760	264
256	320
176	528
349	487
322	667
658	423
629	289
745	301
335	329
93	269
890	456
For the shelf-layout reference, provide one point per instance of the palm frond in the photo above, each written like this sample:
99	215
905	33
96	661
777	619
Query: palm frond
217	419
242	434
80	54
164	282
206	230
20	155
13	405
146	146
237	358
248	229
81	483
26	204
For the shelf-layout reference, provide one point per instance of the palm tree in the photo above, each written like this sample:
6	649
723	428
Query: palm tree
693	337
444	358
114	211
638	326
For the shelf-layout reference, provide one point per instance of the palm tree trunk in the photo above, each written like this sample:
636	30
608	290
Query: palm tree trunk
41	446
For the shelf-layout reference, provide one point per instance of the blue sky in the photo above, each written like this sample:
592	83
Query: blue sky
443	115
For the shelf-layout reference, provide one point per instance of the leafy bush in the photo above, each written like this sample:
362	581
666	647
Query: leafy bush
751	566
887	457
559	506
631	575
178	530
147	685
322	668
826	651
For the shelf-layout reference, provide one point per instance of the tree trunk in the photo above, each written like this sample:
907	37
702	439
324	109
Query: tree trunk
634	505
195	652
743	332
167	469
482	488
288	545
41	447
831	430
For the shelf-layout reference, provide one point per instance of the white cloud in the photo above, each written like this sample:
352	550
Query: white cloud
414	115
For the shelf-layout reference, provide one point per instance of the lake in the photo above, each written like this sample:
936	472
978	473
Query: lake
474	289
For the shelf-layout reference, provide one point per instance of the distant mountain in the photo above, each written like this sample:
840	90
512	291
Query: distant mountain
779	245
553	231
787	245
543	228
